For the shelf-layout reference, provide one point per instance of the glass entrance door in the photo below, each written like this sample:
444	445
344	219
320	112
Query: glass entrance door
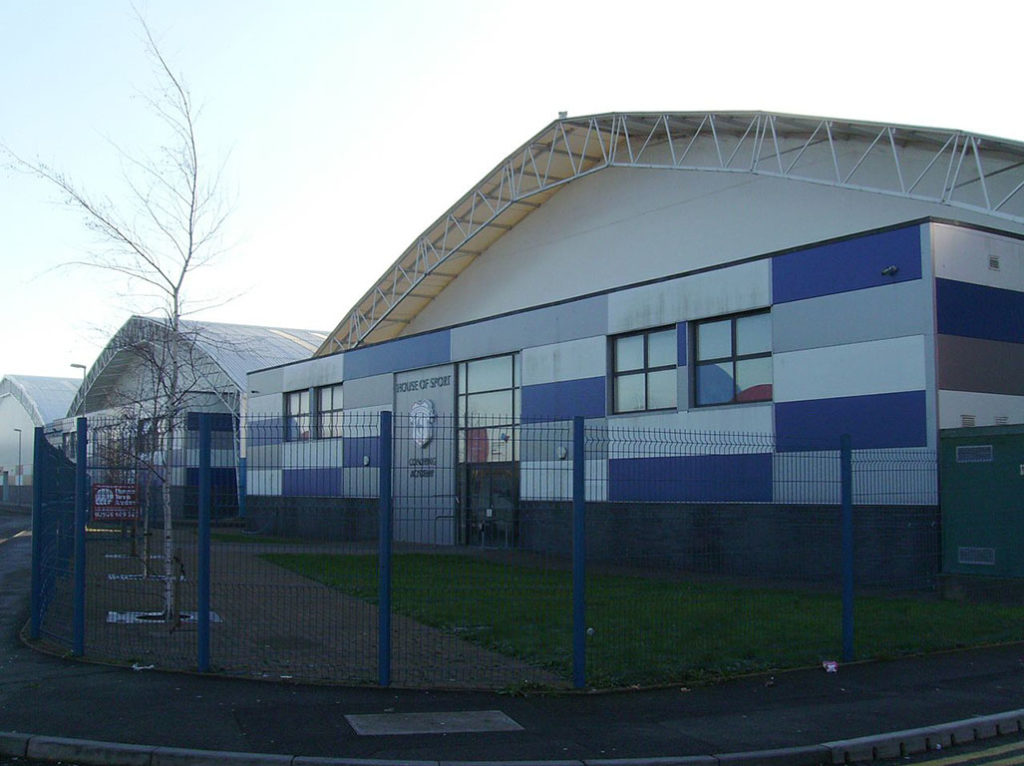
490	499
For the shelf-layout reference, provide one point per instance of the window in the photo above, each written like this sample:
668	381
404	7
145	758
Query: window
328	412
734	360
644	371
489	402
296	409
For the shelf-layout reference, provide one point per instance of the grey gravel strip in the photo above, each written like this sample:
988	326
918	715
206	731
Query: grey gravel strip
879	746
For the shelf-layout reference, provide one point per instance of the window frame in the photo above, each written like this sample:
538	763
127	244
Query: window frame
330	421
733	359
646	369
293	431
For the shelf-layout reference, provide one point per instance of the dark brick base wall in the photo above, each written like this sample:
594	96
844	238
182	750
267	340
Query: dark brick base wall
894	547
313	518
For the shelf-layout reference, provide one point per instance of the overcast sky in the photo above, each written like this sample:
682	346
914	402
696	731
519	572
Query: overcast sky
345	128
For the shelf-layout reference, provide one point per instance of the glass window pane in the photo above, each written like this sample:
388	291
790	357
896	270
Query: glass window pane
489	374
661	389
715	384
489	409
714	339
629	353
661	349
629	393
754	380
753	334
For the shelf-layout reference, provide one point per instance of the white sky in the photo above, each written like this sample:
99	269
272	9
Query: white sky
346	128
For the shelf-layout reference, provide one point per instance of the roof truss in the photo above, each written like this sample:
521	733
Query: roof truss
946	167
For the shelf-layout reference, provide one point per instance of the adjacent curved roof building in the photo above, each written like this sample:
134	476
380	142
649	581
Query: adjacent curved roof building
218	355
44	399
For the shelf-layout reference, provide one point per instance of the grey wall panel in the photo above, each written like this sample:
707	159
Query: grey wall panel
369	392
973	364
882	312
552	324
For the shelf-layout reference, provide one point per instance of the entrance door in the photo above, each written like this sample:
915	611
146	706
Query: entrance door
490	497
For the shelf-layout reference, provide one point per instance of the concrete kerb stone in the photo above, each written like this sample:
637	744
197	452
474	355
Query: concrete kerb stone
14	744
88	751
809	755
177	756
912	741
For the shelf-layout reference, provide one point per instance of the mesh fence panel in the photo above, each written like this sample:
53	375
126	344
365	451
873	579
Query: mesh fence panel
706	554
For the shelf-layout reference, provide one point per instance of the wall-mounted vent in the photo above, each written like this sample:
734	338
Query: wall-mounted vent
974	453
1002	420
993	262
981	556
967	421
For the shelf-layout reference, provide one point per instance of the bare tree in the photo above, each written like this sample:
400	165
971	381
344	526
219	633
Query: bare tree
166	227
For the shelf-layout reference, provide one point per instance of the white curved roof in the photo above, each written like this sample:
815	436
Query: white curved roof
45	399
948	169
223	353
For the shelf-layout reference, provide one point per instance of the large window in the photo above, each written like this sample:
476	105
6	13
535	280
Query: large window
489	402
733	360
296	411
644	371
328	412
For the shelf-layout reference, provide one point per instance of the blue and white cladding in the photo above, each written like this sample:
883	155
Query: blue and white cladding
563	380
852	342
979	295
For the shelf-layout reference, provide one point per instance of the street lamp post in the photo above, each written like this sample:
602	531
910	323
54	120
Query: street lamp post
20	480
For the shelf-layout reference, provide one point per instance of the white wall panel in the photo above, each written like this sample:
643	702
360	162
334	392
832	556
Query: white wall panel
264	482
963	254
854	369
571	360
737	419
314	372
985	409
708	294
623	226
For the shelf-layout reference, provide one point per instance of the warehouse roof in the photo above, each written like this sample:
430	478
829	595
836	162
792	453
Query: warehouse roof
44	398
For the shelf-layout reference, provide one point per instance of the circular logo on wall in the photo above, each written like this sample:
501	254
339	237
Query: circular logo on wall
421	419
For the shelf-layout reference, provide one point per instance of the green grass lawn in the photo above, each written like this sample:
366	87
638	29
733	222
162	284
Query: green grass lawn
651	630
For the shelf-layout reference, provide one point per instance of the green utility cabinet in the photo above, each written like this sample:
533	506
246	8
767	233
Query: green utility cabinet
982	496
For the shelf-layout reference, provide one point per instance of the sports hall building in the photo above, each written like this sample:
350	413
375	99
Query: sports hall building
794	277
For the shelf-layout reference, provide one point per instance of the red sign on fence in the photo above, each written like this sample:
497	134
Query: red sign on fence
115	502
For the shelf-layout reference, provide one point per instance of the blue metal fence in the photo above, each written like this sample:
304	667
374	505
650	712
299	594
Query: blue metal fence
465	553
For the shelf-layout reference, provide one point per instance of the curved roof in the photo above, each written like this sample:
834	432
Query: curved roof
227	350
45	399
944	167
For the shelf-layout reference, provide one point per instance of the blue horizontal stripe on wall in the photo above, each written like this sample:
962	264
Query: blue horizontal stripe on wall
564	399
979	311
397	355
850	264
874	421
355	448
692	479
219	421
311	482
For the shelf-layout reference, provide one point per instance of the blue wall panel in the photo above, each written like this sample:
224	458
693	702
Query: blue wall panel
354	448
311	482
397	355
692	479
850	264
979	311
564	399
873	421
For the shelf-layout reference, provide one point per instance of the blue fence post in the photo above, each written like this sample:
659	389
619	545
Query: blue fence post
81	517
579	555
846	499
39	477
203	618
384	554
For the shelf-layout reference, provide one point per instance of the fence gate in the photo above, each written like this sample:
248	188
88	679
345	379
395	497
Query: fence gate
53	537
